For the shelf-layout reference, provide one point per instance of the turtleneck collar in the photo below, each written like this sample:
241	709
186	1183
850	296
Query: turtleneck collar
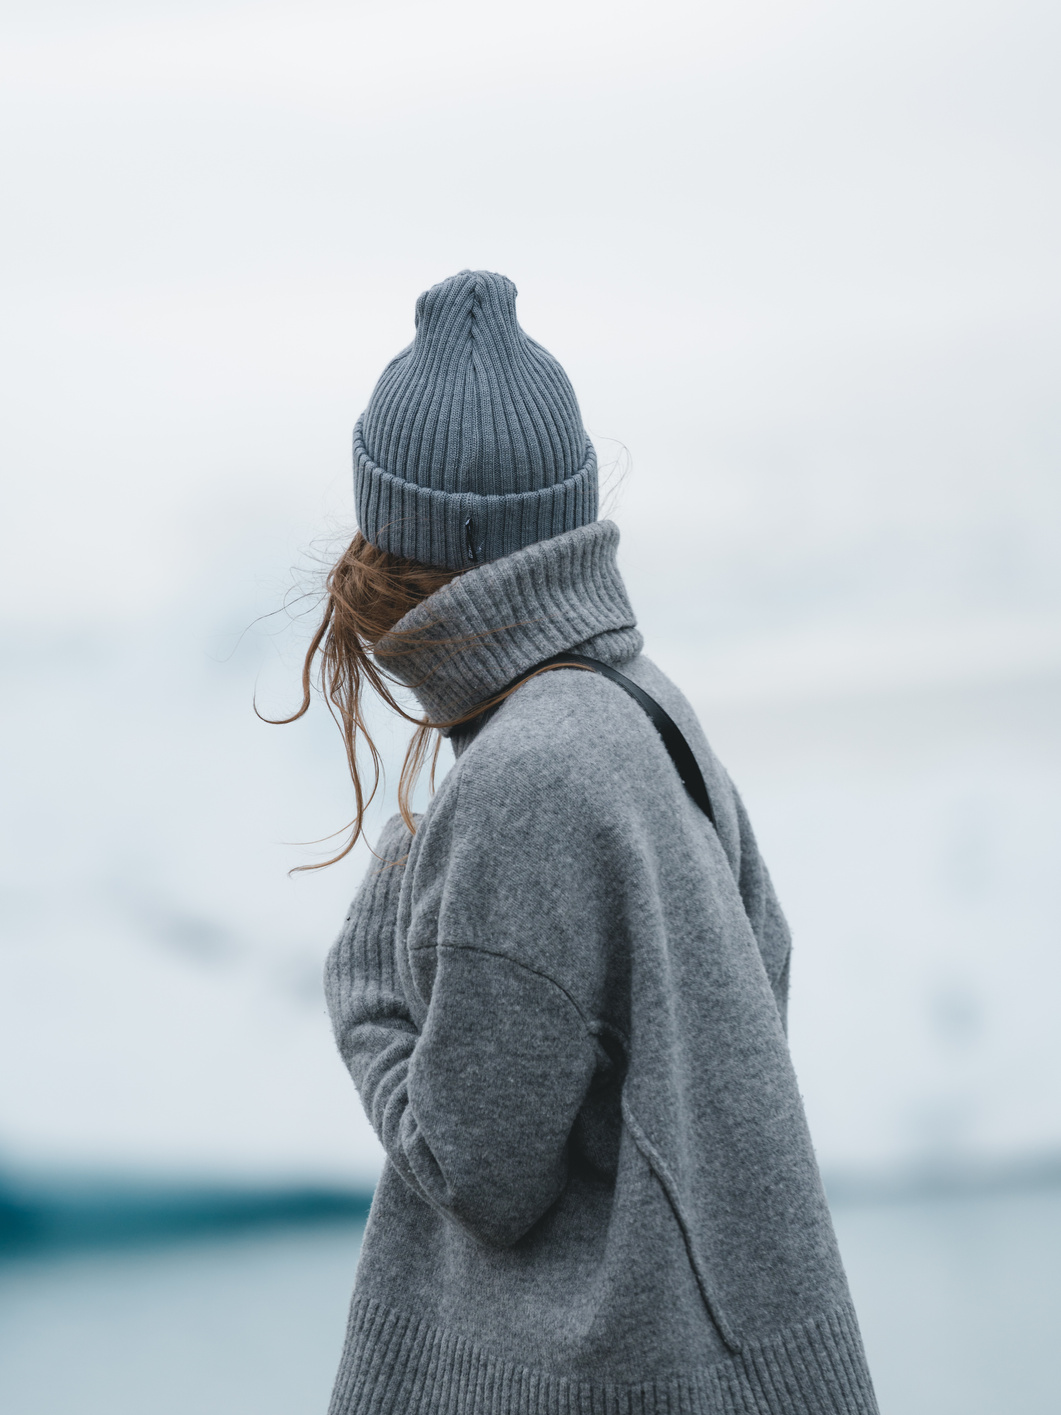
469	639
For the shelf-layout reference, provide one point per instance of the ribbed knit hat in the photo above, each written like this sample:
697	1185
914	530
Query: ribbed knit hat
472	444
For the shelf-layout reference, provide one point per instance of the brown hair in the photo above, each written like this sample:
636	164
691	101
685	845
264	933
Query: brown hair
365	594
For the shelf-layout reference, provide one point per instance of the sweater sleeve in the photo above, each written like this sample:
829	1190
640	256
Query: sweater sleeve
764	912
373	1027
494	1085
474	1107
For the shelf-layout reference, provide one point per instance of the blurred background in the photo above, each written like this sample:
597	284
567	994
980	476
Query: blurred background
799	258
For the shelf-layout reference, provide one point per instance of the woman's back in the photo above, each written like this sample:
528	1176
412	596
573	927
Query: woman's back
600	1185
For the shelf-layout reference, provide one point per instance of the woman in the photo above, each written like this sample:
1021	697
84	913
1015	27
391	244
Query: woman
561	991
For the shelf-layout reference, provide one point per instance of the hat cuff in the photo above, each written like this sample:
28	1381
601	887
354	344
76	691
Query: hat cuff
455	529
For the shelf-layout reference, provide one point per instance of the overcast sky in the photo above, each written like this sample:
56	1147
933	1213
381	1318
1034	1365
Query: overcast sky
799	259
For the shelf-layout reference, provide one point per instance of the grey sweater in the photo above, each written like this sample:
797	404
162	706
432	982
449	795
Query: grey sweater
563	1005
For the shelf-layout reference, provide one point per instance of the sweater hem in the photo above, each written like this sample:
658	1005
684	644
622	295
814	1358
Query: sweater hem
395	1363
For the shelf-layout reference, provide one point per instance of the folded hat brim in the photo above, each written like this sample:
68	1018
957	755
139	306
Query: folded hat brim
452	530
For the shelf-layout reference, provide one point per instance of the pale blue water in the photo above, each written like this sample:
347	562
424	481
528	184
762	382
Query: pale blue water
960	1301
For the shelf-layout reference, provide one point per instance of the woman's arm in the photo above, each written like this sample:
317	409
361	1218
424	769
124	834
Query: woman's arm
493	1087
475	1109
371	1021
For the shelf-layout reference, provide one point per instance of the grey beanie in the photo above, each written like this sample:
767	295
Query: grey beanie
472	444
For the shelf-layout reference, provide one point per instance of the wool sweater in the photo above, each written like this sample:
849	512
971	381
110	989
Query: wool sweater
563	1003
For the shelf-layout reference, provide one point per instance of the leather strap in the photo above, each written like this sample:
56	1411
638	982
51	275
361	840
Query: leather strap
681	754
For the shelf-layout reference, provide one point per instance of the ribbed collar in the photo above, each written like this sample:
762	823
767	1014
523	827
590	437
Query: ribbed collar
469	639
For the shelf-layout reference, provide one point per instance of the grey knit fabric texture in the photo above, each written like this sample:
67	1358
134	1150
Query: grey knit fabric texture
472	444
512	613
563	1002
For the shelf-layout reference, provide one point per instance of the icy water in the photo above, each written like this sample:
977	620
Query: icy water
960	1301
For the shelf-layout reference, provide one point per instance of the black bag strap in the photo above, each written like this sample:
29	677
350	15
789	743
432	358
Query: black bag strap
681	754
